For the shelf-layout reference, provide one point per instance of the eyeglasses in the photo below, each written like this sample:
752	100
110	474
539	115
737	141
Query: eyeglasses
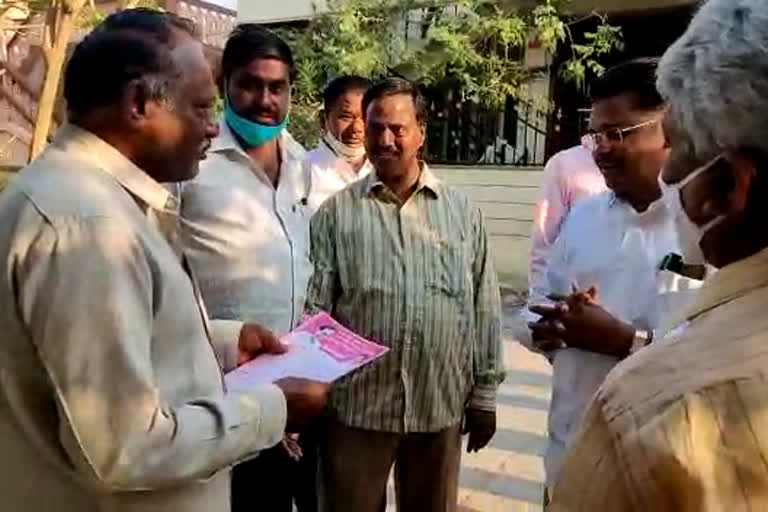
592	140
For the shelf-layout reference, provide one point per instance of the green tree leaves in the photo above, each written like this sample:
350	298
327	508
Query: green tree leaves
476	46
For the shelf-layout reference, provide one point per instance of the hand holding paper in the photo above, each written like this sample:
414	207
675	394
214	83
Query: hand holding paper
305	399
320	349
255	340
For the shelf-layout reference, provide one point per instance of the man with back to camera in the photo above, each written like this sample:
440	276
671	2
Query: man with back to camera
112	396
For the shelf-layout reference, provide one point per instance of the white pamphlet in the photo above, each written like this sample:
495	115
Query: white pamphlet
319	349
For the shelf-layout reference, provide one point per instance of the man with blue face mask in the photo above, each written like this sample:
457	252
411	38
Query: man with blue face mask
246	226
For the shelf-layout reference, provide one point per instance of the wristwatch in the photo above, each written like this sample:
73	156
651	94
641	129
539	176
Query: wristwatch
641	339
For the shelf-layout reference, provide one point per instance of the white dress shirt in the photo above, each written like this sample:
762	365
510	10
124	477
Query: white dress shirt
606	243
247	240
330	174
111	395
569	177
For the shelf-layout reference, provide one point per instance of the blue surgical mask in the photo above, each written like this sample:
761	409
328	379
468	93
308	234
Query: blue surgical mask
252	133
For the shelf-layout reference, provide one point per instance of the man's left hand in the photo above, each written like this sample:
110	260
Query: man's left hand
481	426
256	340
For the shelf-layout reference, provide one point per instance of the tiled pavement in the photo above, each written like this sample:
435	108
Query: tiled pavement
507	476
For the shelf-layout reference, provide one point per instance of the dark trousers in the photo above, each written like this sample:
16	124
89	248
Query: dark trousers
355	466
272	481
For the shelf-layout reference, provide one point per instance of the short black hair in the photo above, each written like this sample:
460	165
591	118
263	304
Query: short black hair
393	86
128	45
342	84
250	41
636	77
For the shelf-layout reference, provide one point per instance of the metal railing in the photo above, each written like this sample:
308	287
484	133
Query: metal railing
467	134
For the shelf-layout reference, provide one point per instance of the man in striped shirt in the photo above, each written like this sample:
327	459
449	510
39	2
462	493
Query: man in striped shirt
402	259
682	425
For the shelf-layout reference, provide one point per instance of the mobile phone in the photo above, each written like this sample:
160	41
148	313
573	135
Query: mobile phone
672	262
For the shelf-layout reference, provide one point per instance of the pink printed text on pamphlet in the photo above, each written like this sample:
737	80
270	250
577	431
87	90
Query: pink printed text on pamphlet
319	349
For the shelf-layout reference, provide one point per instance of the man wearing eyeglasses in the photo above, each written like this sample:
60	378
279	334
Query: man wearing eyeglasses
604	275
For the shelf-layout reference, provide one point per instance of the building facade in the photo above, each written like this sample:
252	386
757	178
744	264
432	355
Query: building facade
22	65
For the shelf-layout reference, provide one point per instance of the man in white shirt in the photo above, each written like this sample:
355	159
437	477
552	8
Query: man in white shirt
246	224
570	176
112	397
339	158
605	265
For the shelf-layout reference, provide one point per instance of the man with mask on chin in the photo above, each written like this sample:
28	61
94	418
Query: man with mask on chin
246	225
340	157
682	425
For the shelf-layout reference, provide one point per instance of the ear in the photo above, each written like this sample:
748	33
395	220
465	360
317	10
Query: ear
667	143
134	104
666	126
744	173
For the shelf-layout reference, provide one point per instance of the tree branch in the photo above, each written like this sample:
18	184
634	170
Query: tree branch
49	35
586	17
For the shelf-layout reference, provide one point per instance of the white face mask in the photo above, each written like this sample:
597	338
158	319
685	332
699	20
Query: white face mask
688	232
349	153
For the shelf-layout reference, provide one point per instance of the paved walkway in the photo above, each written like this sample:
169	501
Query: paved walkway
508	475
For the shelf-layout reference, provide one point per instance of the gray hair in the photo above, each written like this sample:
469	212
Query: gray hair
715	79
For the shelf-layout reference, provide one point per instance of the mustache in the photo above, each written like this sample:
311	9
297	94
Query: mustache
384	152
256	113
607	162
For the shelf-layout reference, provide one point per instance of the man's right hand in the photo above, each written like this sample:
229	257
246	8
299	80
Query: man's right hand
306	399
256	340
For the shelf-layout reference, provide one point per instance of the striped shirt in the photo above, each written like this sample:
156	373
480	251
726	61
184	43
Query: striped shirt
417	278
682	425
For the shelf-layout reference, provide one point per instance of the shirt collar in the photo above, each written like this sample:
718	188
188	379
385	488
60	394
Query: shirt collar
728	283
656	213
225	141
90	146
427	181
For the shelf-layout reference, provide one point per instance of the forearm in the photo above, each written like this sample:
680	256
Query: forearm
537	268
148	446
323	286
488	350
488	364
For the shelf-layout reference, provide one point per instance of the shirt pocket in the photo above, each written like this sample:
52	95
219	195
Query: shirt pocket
449	275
